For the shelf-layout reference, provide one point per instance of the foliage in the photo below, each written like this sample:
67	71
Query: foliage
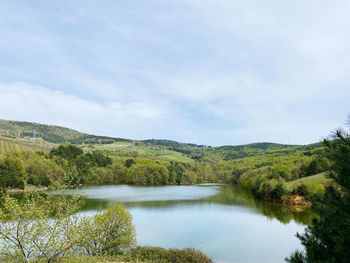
186	255
302	190
45	228
147	173
258	167
50	133
38	228
129	162
12	171
328	239
110	233
67	151
315	184
147	254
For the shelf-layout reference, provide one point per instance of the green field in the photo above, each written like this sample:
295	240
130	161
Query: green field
125	148
7	145
315	183
165	153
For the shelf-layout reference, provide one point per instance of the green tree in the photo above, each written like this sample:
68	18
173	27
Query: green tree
12	171
129	162
39	229
66	151
328	239
302	190
318	165
278	192
110	233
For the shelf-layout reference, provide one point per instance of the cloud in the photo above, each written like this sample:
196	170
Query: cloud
203	71
34	103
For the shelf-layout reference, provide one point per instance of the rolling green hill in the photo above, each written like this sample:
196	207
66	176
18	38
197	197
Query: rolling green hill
240	151
58	134
314	183
50	133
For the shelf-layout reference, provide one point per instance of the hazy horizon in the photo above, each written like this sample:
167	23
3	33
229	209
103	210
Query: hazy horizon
196	71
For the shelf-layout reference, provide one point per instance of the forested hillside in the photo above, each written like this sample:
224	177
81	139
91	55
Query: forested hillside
270	171
50	133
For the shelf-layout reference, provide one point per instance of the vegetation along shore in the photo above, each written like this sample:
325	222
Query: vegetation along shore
46	228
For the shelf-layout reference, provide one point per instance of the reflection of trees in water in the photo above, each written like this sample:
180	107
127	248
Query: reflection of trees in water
283	213
230	196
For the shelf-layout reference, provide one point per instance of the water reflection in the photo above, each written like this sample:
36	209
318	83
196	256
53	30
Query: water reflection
169	197
225	222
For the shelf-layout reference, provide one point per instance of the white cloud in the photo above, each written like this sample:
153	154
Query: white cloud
34	103
204	71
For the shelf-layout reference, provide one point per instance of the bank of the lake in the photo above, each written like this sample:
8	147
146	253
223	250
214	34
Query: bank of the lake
224	222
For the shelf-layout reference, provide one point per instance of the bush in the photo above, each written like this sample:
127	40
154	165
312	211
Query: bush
157	254
39	228
12	172
66	151
110	233
277	192
45	229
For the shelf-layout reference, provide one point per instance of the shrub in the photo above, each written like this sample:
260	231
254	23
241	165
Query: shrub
38	228
12	172
277	192
109	233
157	254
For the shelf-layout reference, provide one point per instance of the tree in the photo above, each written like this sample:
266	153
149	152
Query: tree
66	151
119	172
302	190
328	239
39	229
318	165
129	162
110	233
47	228
12	172
277	192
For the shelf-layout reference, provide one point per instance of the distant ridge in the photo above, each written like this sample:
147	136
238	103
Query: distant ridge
51	133
59	134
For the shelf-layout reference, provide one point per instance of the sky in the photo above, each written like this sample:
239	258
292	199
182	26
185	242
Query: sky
213	72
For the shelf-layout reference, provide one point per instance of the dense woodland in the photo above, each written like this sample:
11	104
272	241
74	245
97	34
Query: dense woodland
68	165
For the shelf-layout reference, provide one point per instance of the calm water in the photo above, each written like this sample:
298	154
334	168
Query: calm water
222	221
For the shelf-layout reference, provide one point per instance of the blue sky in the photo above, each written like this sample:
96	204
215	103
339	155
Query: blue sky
204	71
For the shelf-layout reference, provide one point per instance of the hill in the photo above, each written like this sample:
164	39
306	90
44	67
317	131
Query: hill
241	151
57	134
314	183
50	133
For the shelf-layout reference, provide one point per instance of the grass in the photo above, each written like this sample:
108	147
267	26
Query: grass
123	143
159	152
314	183
165	153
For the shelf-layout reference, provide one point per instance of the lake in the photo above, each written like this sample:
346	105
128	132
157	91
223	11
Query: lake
224	222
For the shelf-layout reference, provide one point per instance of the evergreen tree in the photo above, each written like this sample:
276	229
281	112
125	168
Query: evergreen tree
328	239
